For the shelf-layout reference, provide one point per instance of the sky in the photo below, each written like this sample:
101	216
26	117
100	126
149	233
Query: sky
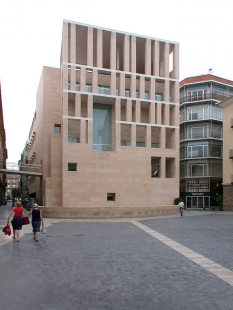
31	31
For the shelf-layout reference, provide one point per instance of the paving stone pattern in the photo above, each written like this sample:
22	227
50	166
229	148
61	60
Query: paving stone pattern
114	265
210	236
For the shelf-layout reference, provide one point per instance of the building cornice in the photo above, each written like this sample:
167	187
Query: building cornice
205	78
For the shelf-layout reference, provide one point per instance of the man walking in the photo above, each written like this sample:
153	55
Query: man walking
181	207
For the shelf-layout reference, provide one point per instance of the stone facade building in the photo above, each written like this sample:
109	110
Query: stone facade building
106	127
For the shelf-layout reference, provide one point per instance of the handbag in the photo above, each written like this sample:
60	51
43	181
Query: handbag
7	230
43	231
25	220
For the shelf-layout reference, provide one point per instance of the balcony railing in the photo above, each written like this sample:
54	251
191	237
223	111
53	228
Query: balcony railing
188	98
200	136
198	174
20	167
211	151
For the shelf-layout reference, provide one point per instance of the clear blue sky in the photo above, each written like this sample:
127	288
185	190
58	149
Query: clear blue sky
30	38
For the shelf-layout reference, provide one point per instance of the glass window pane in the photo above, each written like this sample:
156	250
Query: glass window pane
102	127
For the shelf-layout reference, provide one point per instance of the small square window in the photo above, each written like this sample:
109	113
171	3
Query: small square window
72	167
111	196
57	128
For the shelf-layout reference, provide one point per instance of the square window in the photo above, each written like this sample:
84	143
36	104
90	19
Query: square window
57	128
72	166
111	196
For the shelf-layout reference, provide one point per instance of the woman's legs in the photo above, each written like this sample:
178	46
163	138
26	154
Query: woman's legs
37	229
13	234
17	232
37	236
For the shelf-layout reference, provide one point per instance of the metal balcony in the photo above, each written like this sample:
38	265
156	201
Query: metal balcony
190	98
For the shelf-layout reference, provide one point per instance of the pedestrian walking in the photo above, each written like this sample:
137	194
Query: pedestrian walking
181	207
18	213
37	219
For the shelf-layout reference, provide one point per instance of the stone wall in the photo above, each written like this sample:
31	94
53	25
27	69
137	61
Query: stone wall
108	212
228	197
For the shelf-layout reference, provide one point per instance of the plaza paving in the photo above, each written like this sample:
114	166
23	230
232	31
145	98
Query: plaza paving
158	263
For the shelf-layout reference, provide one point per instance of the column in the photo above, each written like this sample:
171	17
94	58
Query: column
176	62
148	136
162	167
138	111
90	47
148	57
90	116
65	43
82	131
129	110
95	81
156	59
118	125
99	49
133	135
77	104
133	54
65	104
65	76
122	84
83	79
166	59
133	86
152	113
152	88
113	83
163	138
166	92
126	53
72	77
176	94
142	87
167	114
73	43
159	114
113	51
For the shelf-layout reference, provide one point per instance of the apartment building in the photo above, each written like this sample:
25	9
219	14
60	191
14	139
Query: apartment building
201	134
12	181
106	127
227	106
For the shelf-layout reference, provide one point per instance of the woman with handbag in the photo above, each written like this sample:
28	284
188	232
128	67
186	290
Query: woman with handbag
36	220
18	213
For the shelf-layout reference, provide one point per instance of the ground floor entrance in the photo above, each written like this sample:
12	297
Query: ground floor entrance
198	202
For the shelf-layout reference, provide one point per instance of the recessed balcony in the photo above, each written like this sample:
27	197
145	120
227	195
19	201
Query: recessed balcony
231	122
231	154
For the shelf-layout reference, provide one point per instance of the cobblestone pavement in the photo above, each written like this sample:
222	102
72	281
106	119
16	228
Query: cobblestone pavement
160	263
